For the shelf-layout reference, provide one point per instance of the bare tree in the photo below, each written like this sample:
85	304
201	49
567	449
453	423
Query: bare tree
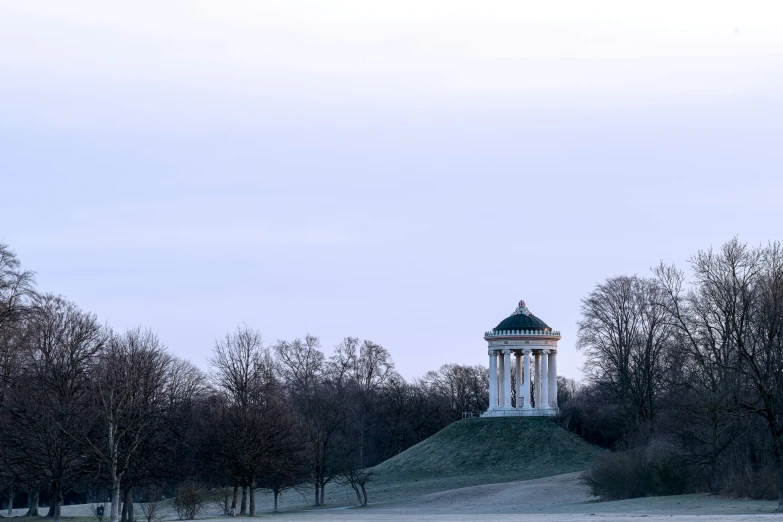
302	363
286	463
358	480
324	421
238	365
150	507
730	323
464	387
706	382
16	293
626	336
16	288
251	425
744	330
368	367
48	421
316	390
762	355
129	403
162	453
176	452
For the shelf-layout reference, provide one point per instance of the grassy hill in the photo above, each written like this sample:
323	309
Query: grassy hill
469	452
483	451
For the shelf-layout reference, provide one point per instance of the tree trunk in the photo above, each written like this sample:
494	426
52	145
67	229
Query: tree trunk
114	513
276	492
317	481
127	505
252	496
322	493
715	475
780	482
234	500
243	507
361	441
33	497
124	515
50	512
777	451
58	504
11	496
364	494
57	501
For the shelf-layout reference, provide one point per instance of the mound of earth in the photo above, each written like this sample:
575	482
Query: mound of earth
472	452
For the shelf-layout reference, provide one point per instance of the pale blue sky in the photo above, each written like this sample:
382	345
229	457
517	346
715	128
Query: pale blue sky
399	171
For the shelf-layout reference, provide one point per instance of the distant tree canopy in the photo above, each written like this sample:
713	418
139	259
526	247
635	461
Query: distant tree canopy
103	414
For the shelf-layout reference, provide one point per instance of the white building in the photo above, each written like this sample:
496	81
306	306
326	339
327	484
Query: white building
522	336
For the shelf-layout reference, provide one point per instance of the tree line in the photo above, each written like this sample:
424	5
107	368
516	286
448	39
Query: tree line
684	377
89	413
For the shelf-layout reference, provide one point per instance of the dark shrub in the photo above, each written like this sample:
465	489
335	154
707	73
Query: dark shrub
638	472
747	483
620	474
188	500
669	477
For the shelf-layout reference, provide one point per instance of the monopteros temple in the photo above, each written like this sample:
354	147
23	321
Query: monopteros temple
527	339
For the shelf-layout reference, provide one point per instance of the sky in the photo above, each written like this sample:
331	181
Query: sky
400	171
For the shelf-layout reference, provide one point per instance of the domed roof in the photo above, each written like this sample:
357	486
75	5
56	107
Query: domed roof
521	319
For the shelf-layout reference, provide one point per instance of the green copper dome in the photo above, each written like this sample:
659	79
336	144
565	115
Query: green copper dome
521	322
521	319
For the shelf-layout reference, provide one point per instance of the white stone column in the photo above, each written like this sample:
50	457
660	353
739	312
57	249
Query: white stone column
501	385
507	378
526	375
553	379
537	383
544	379
493	380
518	370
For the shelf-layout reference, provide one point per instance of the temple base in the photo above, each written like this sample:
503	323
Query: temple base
514	412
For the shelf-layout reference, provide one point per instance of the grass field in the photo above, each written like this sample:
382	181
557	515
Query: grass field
486	470
551	499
